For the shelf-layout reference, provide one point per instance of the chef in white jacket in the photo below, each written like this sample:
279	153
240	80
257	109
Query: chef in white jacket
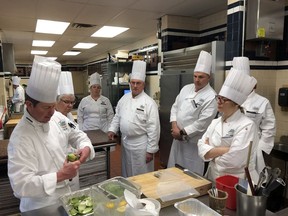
259	109
19	94
95	110
138	119
192	112
227	140
37	166
66	97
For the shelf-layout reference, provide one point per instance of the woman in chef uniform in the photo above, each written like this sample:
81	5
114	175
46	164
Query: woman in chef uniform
259	109
37	151
226	142
19	94
65	98
95	110
138	119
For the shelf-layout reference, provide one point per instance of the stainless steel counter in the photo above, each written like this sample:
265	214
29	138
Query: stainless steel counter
57	210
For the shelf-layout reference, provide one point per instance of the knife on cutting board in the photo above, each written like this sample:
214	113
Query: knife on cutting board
188	172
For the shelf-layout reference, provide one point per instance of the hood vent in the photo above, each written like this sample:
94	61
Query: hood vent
265	19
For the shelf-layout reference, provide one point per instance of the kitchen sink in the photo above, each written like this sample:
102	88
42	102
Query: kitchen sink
280	151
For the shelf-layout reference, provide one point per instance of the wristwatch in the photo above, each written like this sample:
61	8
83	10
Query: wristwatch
182	132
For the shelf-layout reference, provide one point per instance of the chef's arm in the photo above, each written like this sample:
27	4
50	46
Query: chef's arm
268	130
80	115
207	114
216	152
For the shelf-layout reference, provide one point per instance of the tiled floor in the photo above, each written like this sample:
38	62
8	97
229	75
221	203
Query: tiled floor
115	161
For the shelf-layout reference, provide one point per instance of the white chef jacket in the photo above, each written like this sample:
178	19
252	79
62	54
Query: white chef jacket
259	109
36	151
138	119
236	132
192	111
18	98
94	114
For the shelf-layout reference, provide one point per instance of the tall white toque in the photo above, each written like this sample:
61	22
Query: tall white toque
138	70
44	79
65	83
204	63
237	86
241	64
94	79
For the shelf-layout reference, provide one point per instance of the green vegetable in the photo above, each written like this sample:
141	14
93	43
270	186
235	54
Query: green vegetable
72	157
81	205
114	188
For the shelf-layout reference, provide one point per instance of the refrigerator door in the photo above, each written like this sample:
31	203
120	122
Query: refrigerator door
170	85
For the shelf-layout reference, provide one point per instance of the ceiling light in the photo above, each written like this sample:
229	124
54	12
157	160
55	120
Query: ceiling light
71	53
42	43
39	52
85	45
51	27
52	58
109	31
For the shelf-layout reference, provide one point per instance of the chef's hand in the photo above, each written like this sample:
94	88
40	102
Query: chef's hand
175	131
207	141
149	157
84	154
68	171
111	135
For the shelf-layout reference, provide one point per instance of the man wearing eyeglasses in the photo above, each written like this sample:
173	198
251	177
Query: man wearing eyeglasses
194	109
66	97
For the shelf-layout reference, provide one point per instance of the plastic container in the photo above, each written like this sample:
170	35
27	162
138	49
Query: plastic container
193	206
227	183
77	194
250	205
115	187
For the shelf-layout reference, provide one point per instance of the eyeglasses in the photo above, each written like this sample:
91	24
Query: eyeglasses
221	99
68	102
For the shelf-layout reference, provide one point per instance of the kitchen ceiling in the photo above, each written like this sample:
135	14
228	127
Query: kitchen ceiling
18	21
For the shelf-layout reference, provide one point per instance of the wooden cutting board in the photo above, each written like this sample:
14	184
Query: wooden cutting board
149	183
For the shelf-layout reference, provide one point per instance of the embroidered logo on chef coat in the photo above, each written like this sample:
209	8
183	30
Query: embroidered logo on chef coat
103	103
63	125
230	133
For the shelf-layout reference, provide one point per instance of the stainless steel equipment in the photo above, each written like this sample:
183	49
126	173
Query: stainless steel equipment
266	19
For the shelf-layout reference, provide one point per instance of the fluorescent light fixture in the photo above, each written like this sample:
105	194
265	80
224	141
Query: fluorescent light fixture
51	27
42	43
109	31
71	53
84	45
39	52
52	58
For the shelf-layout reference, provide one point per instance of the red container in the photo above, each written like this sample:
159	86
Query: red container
227	183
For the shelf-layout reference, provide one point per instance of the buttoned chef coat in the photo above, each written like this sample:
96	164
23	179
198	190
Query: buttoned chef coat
18	98
138	120
193	111
236	132
259	109
94	114
36	151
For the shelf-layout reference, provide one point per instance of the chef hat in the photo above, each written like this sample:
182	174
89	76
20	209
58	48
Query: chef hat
237	86
94	79
241	64
138	70
204	63
16	80
65	83
44	79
